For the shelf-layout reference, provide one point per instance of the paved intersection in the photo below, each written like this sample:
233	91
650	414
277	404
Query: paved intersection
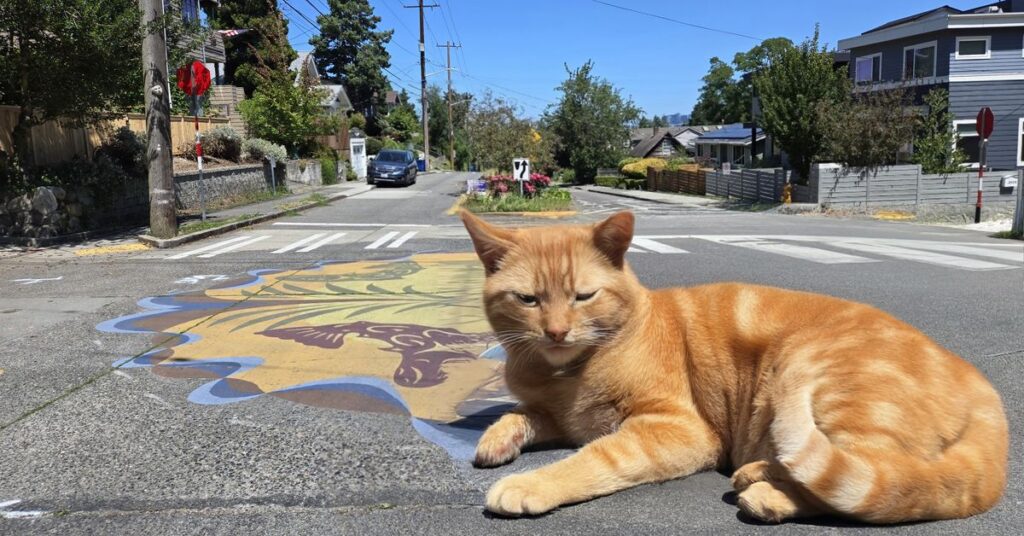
329	372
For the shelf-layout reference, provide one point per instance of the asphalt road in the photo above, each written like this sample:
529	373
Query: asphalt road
238	384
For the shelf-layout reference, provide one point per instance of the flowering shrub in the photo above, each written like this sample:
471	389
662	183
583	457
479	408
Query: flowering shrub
638	169
498	185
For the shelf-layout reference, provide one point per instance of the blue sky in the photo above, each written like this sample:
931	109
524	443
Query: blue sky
518	48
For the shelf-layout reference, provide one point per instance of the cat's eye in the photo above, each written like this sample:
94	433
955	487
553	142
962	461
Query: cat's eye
527	299
582	297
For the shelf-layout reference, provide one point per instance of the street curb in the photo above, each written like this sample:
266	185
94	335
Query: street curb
192	237
625	193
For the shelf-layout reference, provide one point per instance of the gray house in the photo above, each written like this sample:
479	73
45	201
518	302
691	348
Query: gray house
733	144
977	54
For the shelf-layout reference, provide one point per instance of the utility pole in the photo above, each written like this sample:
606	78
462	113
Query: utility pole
451	128
163	222
423	88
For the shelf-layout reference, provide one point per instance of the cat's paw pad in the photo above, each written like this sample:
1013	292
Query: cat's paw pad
521	494
763	502
496	449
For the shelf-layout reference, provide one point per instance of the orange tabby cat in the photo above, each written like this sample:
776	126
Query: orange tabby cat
825	406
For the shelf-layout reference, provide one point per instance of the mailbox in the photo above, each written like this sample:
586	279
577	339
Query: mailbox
1007	184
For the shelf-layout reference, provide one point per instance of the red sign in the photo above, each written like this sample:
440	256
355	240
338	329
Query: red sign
194	79
985	123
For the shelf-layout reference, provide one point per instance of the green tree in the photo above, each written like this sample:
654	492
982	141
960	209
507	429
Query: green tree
720	99
400	124
260	55
350	51
935	147
870	130
659	121
791	89
592	121
437	101
73	60
289	115
498	133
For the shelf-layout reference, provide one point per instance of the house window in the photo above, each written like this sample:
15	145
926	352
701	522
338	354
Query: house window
1020	141
868	69
919	61
973	48
967	139
738	155
714	151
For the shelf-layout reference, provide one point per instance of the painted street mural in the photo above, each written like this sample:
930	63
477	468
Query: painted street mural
405	337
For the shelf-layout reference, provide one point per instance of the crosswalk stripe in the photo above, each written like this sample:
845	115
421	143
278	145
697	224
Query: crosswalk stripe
821	256
635	250
382	240
299	243
234	246
319	243
657	247
1013	256
208	248
926	257
403	239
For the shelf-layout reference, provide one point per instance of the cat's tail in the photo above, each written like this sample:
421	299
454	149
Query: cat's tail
967	478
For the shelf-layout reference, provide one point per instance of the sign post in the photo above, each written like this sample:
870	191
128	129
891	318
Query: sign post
194	80
984	125
521	172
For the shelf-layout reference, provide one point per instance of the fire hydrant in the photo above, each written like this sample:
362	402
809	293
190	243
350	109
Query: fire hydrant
787	193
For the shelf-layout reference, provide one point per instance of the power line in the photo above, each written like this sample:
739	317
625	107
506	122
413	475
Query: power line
301	14
676	21
312	5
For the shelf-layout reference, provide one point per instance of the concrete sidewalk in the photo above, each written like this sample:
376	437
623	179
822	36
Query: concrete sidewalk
261	212
657	197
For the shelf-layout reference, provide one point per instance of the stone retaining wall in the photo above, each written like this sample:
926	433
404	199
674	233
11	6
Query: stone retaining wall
220	183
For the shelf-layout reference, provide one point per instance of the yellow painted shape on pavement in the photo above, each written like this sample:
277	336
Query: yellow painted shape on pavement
110	250
893	215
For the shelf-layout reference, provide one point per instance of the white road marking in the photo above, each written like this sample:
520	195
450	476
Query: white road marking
657	247
33	280
5	504
926	257
821	256
299	243
635	250
380	241
234	246
17	514
403	239
311	224
319	243
1013	256
192	280
208	248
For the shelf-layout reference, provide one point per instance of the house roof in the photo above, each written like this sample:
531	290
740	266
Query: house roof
304	61
733	132
648	144
1003	13
336	94
944	10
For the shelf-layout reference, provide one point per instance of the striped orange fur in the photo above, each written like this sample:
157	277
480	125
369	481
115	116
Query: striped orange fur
822	406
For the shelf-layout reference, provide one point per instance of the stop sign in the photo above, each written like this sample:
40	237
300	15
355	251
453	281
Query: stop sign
985	123
194	79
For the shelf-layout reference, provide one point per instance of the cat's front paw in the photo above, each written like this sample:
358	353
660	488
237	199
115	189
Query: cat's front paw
498	446
524	493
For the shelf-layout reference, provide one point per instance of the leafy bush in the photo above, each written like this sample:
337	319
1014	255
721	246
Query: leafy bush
328	170
389	143
126	149
373	145
357	120
257	149
678	163
350	174
549	199
638	169
503	184
289	115
621	183
223	142
608	182
627	161
567	176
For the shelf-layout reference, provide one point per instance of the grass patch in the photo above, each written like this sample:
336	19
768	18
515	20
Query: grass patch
249	198
552	199
311	199
1008	234
197	226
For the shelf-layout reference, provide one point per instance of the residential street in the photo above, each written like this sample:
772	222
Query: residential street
331	371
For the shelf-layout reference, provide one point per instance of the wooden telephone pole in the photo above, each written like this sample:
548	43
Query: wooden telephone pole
423	87
163	221
451	128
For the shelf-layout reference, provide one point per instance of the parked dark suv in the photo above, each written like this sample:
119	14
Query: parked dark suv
393	166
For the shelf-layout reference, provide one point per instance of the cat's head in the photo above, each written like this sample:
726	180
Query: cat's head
556	291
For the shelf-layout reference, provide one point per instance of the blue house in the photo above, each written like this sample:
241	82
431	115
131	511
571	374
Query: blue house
977	54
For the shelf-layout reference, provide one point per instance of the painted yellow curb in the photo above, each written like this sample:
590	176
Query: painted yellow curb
893	215
109	250
457	206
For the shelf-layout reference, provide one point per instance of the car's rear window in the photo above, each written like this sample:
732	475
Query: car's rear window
393	156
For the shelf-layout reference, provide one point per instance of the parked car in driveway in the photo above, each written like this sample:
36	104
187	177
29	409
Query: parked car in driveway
392	166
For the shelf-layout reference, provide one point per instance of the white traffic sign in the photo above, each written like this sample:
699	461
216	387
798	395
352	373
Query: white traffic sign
521	169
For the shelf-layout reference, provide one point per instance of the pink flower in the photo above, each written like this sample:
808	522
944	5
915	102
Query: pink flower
529	188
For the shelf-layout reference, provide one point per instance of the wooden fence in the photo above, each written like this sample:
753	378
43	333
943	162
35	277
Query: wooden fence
750	184
53	143
903	185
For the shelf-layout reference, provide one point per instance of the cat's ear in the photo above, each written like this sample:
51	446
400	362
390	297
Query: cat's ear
491	243
613	236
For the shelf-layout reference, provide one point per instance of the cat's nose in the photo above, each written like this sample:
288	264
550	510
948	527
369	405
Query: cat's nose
556	334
